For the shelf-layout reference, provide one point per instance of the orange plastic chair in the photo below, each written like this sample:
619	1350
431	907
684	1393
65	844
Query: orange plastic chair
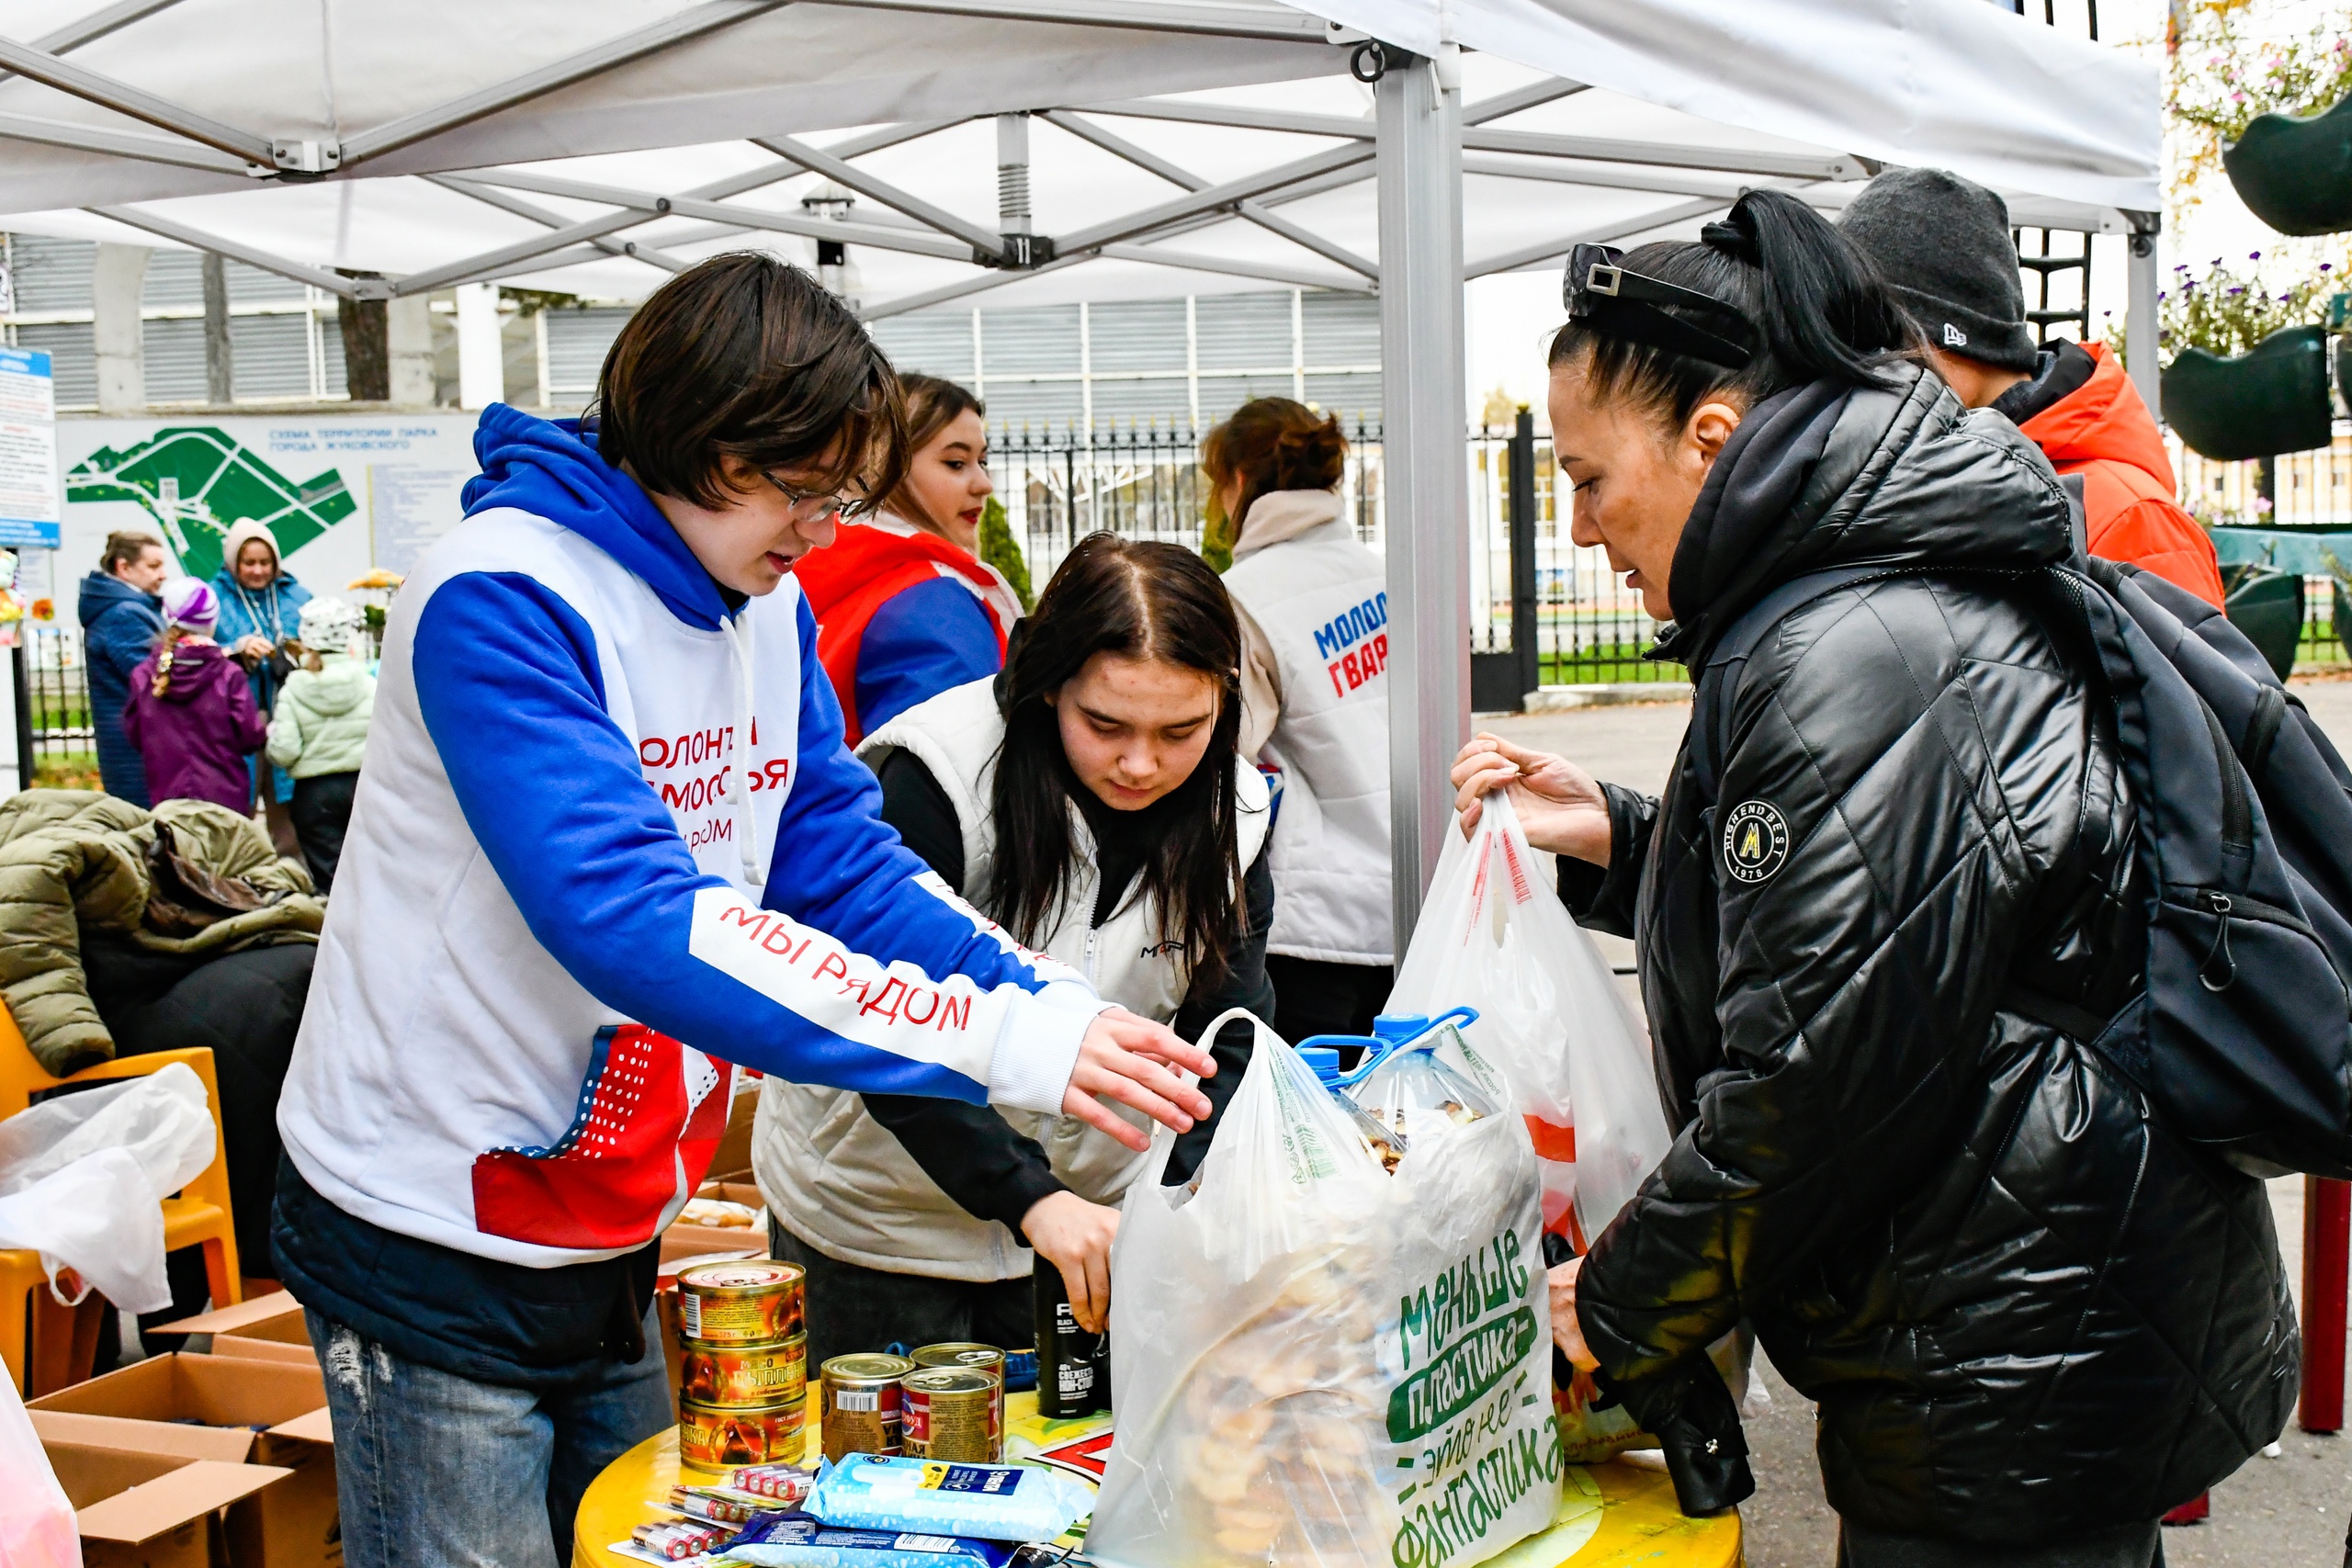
47	1346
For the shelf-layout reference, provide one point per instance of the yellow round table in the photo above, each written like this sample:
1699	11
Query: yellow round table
1620	1513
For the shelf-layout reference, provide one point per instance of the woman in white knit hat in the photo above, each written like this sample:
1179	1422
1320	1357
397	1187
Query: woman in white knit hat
320	729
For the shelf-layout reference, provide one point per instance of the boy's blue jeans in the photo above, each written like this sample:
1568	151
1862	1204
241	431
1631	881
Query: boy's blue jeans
436	1471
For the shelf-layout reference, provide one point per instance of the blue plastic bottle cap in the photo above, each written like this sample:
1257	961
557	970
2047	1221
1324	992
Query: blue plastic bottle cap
1400	1025
1324	1059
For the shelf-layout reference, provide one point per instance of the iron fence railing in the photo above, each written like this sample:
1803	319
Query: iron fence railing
1145	482
57	694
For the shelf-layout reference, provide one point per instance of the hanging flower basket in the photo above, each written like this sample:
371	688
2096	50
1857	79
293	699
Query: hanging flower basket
2270	400
2266	605
2295	173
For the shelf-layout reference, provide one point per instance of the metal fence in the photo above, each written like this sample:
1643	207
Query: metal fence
1145	481
57	707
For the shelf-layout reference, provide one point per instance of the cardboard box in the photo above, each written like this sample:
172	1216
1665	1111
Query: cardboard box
264	1351
733	1159
158	1510
146	1407
276	1317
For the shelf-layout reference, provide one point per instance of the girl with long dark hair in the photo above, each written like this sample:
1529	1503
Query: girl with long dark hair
2033	1319
1093	801
1314	608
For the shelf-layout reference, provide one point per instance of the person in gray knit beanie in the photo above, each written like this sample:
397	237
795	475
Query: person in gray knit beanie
1942	244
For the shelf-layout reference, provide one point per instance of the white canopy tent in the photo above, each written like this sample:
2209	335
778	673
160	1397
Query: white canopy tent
1136	147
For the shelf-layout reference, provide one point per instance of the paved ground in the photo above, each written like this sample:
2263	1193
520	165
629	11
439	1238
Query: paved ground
2284	1513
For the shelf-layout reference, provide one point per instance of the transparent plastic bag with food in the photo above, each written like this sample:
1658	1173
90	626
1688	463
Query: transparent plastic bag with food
1324	1364
1493	935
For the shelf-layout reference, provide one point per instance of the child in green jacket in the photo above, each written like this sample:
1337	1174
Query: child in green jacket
320	728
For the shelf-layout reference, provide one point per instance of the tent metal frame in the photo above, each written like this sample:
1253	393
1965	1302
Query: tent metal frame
1418	143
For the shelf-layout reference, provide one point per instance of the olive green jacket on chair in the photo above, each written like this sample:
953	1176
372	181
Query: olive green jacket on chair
189	876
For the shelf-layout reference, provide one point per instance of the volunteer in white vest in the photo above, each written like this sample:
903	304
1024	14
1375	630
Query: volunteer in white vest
1314	612
1106	752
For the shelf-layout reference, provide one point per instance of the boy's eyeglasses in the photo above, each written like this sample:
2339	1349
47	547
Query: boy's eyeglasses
810	506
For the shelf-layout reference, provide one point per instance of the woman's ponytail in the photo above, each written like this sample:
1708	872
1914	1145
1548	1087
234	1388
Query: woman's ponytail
1821	311
1275	444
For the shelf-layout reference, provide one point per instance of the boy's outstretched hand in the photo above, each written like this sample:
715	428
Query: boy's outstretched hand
1128	1059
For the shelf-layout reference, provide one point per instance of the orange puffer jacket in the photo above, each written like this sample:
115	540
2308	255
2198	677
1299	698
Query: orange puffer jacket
2103	431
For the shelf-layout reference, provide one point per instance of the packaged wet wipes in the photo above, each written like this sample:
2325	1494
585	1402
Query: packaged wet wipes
796	1541
992	1502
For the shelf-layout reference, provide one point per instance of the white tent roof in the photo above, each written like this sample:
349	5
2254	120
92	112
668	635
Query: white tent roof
535	141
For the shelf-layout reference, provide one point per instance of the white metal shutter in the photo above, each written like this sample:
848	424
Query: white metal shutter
578	341
928	342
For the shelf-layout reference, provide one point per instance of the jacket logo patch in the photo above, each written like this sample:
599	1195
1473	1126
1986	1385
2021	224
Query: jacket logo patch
1756	841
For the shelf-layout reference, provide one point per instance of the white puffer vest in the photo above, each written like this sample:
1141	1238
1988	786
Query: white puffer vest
839	1180
1321	600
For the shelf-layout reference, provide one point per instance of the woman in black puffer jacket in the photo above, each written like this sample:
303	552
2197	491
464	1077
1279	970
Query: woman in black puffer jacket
2033	1320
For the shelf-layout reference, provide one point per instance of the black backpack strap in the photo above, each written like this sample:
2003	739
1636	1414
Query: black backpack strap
1711	691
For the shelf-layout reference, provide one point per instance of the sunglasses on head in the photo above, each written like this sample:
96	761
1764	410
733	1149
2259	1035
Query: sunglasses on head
1599	293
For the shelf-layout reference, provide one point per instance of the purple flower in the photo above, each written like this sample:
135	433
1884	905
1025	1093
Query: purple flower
2262	504
2254	256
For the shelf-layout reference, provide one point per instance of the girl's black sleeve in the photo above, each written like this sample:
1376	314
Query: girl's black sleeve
1243	985
972	1155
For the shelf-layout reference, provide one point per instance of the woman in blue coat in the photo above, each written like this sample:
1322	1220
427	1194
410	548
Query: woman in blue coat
119	625
261	606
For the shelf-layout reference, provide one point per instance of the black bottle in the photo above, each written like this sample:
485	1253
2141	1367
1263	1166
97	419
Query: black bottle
1073	1366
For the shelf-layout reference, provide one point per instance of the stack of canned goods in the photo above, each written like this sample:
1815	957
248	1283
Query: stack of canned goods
743	1383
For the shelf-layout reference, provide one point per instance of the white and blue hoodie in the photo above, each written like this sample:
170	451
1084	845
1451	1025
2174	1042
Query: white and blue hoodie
606	842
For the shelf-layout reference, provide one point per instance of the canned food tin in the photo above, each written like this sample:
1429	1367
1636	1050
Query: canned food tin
714	1438
741	1304
951	1414
965	1357
735	1377
969	1356
859	1403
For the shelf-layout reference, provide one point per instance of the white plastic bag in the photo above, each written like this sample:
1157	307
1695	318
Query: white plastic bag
161	1120
1319	1364
1492	936
37	1527
82	1177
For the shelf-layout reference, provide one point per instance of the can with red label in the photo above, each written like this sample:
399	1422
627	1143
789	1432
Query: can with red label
950	1413
859	1406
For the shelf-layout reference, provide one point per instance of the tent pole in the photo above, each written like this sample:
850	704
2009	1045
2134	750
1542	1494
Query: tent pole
2140	309
1426	476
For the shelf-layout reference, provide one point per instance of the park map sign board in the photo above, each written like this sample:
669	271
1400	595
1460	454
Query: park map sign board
340	495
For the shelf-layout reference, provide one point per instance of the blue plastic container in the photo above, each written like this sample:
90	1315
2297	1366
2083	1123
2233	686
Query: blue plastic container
1389	1030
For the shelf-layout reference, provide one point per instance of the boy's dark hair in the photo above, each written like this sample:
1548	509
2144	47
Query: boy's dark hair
125	546
1138	600
745	355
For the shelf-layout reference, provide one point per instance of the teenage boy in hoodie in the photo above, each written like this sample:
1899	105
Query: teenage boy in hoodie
1944	245
606	844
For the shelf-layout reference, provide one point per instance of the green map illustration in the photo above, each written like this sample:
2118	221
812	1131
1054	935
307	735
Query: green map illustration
198	482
